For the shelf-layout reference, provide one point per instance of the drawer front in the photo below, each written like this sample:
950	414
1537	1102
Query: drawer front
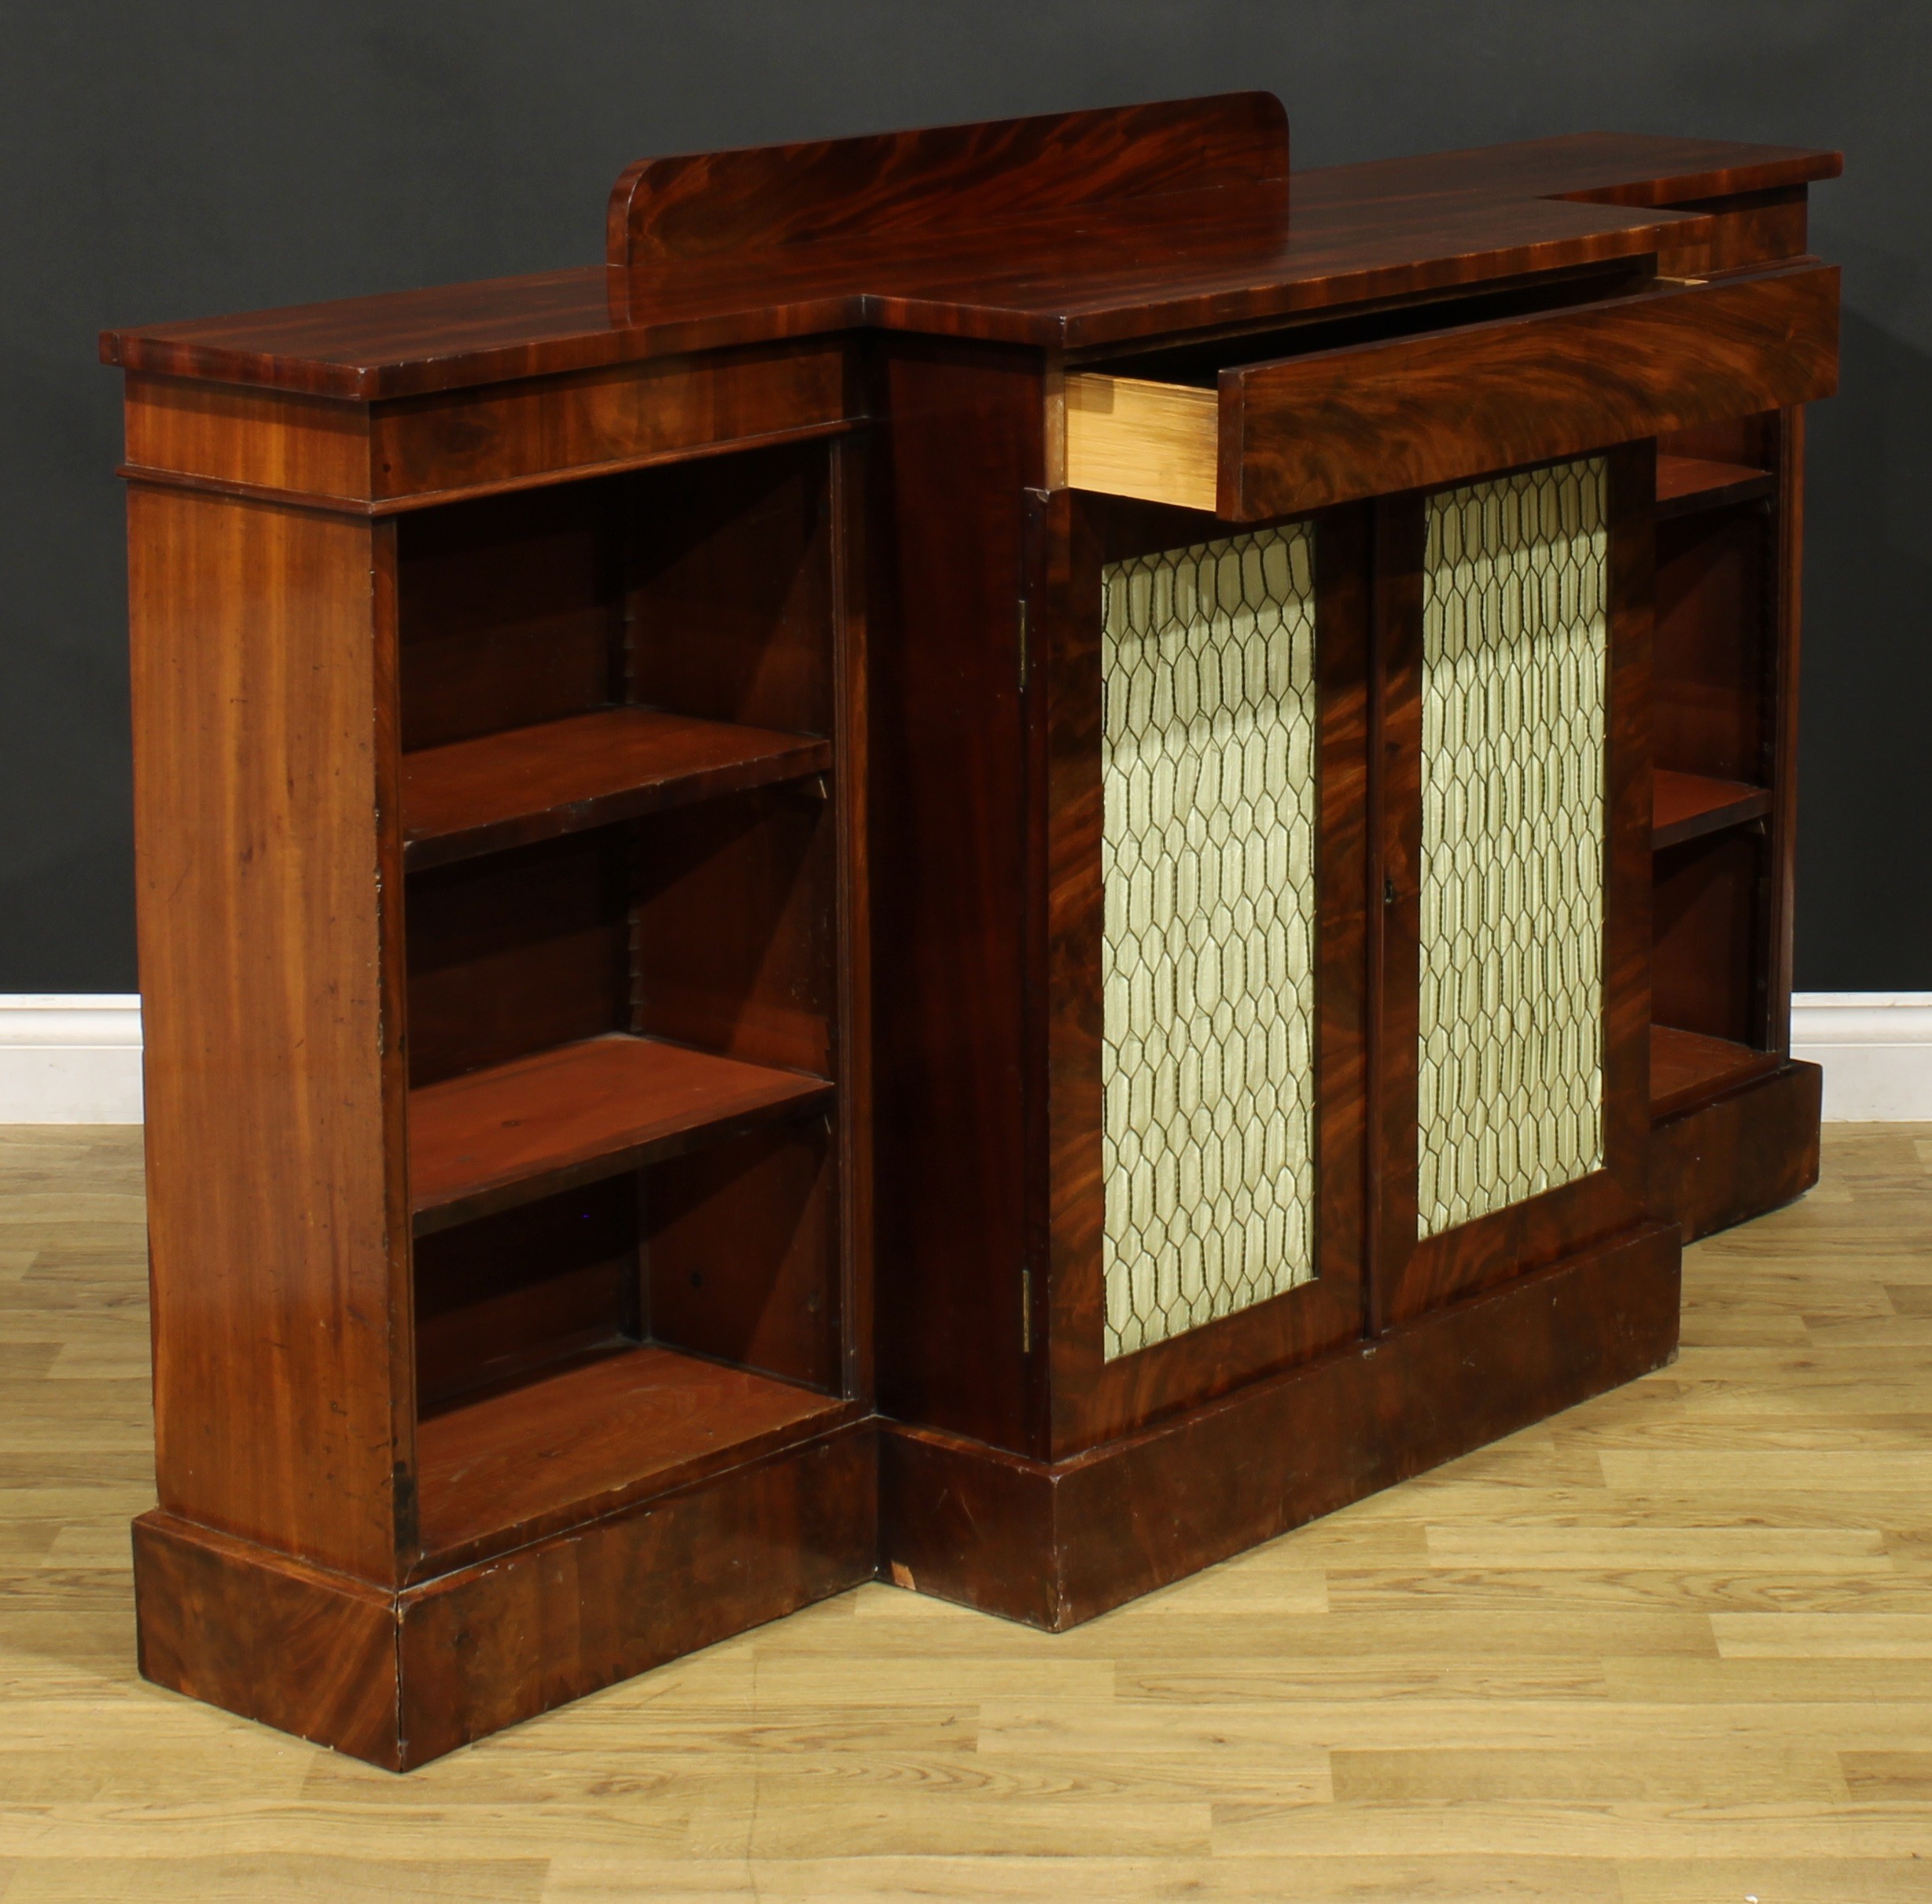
1305	432
1338	426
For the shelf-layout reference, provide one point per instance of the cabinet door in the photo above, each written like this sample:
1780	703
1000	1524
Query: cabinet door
1199	713
1514	617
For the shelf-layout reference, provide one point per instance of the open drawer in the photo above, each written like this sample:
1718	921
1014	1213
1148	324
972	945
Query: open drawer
1251	441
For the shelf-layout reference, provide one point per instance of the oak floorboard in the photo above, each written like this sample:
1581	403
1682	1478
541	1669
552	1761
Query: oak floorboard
1675	1644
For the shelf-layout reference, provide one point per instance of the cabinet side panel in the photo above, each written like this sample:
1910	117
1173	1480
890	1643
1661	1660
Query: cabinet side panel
256	636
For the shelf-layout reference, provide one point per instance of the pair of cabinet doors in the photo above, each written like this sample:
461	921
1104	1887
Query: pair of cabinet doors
1344	847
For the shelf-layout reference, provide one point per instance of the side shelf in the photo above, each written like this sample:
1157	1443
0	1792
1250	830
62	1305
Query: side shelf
515	1131
1732	1135
1688	482
585	1440
526	784
1689	1068
1687	806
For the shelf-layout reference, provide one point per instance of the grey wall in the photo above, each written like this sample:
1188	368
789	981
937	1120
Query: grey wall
165	160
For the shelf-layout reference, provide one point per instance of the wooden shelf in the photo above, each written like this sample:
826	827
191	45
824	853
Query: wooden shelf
533	783
1686	806
518	1131
1688	482
590	1438
1686	1068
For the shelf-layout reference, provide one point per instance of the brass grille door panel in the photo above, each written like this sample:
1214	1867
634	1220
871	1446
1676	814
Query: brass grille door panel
1515	639
1208	795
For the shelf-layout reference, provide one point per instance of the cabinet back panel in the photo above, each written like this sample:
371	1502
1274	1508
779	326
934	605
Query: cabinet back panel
1704	959
734	928
500	1298
515	951
742	1256
731	590
1712	647
511	612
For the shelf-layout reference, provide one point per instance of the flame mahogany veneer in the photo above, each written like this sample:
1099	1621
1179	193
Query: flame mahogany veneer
618	785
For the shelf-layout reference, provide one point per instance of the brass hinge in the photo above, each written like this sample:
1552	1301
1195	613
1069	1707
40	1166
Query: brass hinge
1026	1310
1022	643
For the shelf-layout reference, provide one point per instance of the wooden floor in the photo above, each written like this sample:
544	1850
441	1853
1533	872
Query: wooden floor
1675	1645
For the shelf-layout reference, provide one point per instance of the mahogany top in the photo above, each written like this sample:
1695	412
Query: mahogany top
1107	236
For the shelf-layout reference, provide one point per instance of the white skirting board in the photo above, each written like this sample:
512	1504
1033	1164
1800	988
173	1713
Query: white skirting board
70	1058
1876	1049
74	1058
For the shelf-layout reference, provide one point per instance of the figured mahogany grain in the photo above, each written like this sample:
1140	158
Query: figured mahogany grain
664	211
1132	267
533	783
516	1131
309	1652
1306	432
582	1442
1686	806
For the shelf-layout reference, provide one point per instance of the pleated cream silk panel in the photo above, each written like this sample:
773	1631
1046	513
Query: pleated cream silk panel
1208	959
1515	643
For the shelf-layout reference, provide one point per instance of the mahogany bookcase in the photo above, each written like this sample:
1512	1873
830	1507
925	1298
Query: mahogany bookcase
1022	854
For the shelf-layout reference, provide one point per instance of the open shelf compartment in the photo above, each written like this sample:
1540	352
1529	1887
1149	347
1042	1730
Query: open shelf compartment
592	1435
526	784
623	903
1688	1067
513	1132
